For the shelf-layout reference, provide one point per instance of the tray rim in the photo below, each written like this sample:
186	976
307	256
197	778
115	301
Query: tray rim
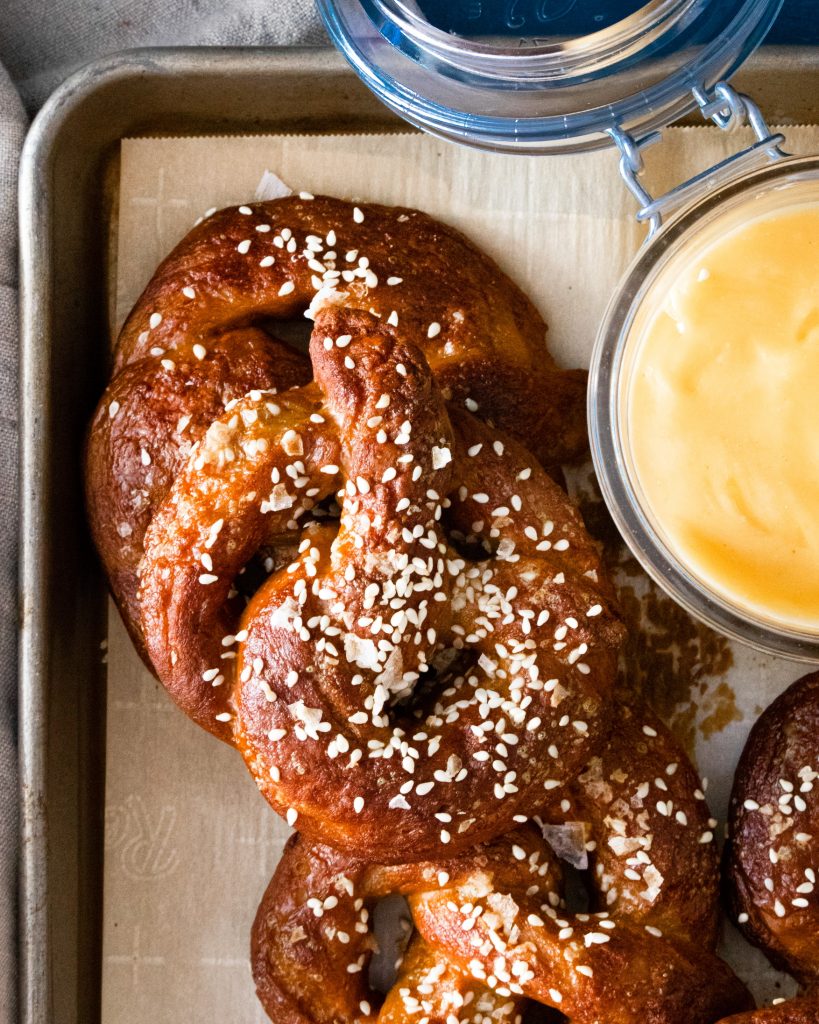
37	273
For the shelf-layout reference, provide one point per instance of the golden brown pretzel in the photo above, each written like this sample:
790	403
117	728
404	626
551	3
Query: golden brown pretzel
312	680
150	417
792	1011
490	923
772	857
194	342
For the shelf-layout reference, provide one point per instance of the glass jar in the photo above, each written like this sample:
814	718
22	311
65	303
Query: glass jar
781	185
543	75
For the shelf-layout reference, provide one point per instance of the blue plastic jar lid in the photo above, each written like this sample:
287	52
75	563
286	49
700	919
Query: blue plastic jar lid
544	75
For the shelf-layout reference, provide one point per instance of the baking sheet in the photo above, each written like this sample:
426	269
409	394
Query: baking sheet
189	843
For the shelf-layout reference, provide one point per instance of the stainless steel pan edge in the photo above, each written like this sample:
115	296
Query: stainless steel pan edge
63	365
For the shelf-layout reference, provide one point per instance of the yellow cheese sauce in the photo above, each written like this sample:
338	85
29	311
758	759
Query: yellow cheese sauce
723	414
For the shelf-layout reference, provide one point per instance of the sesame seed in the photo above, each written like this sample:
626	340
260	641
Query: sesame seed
155	320
244	246
287	288
358	216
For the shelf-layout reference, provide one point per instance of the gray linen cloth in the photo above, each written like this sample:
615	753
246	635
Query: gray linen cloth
41	43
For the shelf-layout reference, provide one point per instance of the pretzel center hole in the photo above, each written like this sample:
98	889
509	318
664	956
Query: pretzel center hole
393	928
295	333
576	889
537	1013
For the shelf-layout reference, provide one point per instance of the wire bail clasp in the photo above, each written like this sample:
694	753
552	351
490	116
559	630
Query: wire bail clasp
728	109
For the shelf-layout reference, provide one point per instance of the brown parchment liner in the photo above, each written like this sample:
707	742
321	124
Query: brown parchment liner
190	844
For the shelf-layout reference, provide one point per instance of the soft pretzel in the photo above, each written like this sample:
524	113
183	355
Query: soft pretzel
492	931
452	543
772	857
194	342
791	1011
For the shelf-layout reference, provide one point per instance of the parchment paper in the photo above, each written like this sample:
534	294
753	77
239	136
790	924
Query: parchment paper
190	844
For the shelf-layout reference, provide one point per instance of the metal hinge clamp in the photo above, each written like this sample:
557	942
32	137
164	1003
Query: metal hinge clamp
728	109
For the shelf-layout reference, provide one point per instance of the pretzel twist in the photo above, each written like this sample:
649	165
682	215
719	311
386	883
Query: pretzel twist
492	931
194	342
771	863
419	670
319	681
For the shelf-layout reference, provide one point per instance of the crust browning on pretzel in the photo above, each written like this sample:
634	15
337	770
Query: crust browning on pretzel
149	419
658	862
491	922
194	342
792	1011
482	337
772	857
321	680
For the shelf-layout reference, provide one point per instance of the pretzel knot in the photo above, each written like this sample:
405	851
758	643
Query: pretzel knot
772	868
197	339
492	930
430	664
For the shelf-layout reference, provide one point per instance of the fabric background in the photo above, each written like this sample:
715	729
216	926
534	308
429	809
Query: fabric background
41	43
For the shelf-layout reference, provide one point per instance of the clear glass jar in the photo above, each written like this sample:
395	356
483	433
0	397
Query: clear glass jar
748	196
539	76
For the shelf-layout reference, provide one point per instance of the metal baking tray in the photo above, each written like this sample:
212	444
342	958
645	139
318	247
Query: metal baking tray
67	197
